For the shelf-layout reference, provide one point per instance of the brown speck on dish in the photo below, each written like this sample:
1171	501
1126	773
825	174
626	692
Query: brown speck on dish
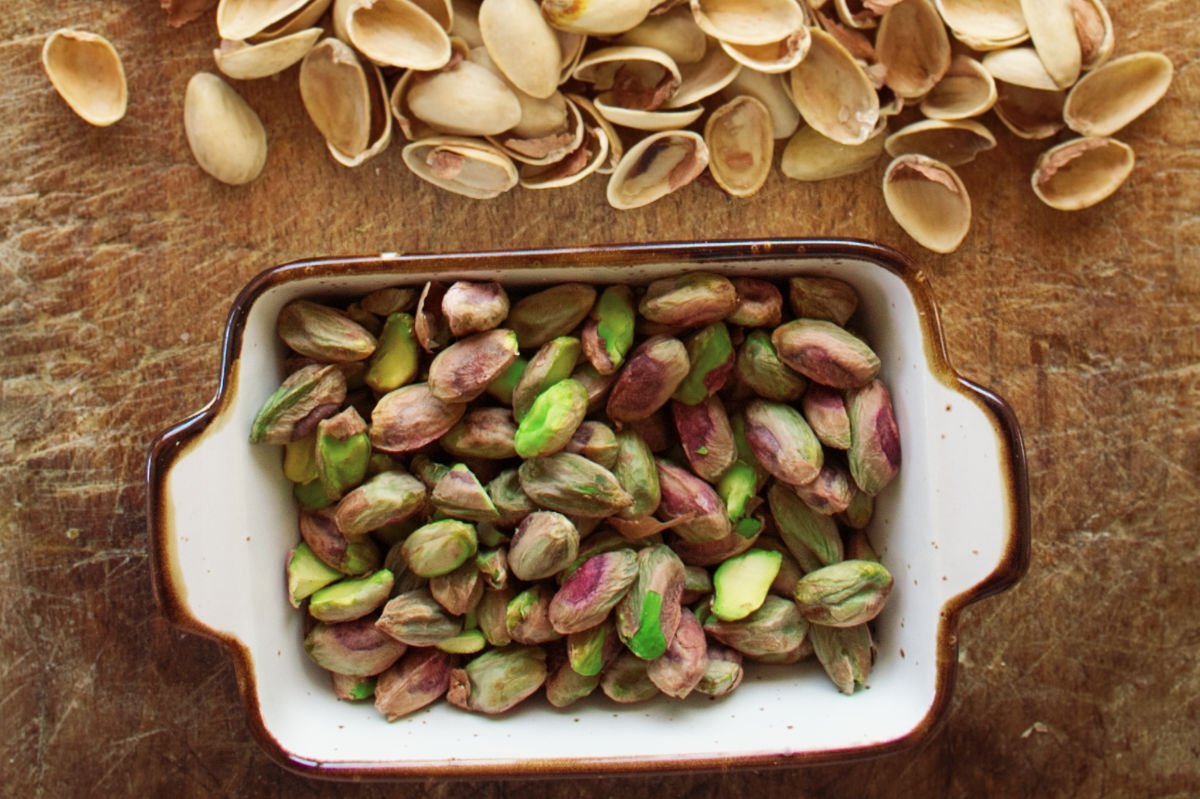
901	652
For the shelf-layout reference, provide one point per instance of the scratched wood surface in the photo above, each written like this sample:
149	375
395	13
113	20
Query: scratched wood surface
119	260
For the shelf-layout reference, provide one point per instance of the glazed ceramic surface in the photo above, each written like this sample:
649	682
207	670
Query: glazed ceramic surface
952	528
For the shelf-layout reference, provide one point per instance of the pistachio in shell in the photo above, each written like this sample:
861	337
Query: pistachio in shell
225	135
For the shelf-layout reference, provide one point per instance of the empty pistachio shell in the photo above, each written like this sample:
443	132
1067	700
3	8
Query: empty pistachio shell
462	371
966	90
323	333
857	514
336	90
1081	172
550	313
1052	31
740	145
657	165
415	618
464	166
674	32
771	91
242	19
411	417
521	44
87	73
874	453
419	678
1117	93
775	58
913	47
430	324
1019	66
985	24
742	22
954	143
928	200
596	17
248	61
396	33
844	594
1095	30
226	137
354	648
833	93
1030	113
592	590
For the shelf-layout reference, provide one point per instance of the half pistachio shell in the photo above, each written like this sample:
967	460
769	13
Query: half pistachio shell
87	73
774	57
1052	31
833	93
241	19
740	146
966	90
1030	113
397	33
522	45
1117	93
929	201
952	143
379	124
985	24
1094	27
250	61
337	94
812	156
306	17
913	48
1080	173
597	17
226	137
1019	66
463	99
704	78
469	167
771	91
748	21
674	32
588	157
656	166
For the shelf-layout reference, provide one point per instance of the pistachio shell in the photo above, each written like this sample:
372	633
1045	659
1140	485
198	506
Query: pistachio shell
521	44
87	73
225	135
591	155
540	147
464	99
674	33
985	24
241	19
1030	113
662	120
738	135
638	78
833	93
1052	31
244	61
1117	93
616	148
966	90
1080	173
704	78
929	201
597	17
1095	30
379	130
913	48
748	21
774	57
337	95
397	33
659	164
952	143
304	18
811	156
771	91
1019	66
469	167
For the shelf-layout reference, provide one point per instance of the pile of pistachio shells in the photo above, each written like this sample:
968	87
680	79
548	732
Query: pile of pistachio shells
582	488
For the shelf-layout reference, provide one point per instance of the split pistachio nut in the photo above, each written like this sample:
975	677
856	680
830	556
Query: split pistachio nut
498	680
342	452
352	599
590	650
554	361
394	362
307	574
844	594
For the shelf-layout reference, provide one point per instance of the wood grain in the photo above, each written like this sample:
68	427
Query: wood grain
119	259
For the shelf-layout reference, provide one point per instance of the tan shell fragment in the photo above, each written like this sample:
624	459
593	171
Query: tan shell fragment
1117	93
87	73
661	120
929	201
1094	28
985	24
740	146
337	95
674	33
704	78
245	61
591	154
226	137
966	90
1019	66
597	17
771	91
833	93
640	78
572	46
657	165
774	58
522	45
1080	173
306	17
539	146
748	21
412	128
913	48
466	23
859	18
1052	31
1030	113
809	156
380	124
397	33
469	167
954	143
242	19
615	148
464	99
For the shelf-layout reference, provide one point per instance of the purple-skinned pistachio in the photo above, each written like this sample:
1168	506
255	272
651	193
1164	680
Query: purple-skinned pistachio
691	300
648	379
350	556
410	417
760	370
429	323
608	335
825	410
551	420
572	484
492	565
845	653
554	361
648	614
324	334
397	358
597	385
459	591
637	473
387	301
831	492
311	390
858	547
844	594
460	495
462	371
710	363
349	688
782	442
387	498
351	599
822	298
592	590
644	527
825	353
415	618
723	672
482	433
492	615
685	494
777	626
858	513
626	680
439	547
656	430
355	648
808	535
595	441
706	437
565	686
604	541
874	453
550	313
590	651
511	502
527	617
418	679
498	680
474	307
682	666
543	545
759	303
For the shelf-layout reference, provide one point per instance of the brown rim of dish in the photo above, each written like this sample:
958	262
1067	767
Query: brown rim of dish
1012	566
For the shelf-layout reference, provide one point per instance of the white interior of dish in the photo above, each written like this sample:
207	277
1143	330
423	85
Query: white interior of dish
941	528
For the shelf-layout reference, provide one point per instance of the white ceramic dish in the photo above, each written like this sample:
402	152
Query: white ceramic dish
953	528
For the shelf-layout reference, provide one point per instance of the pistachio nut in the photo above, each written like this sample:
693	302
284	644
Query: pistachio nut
825	353
825	411
526	616
462	371
831	492
710	362
439	547
590	650
777	626
429	472
782	442
342	452
637	474
706	437
609	334
858	547
565	686
682	666
595	441
324	334
492	614
415	618
459	591
684	494
784	584
626	680
498	680
411	417
844	594
307	574
395	361
874	453
858	513
738	489
349	688
648	614
710	553
554	361
759	369
572	484
759	303
723	673
311	389
552	419
822	298
354	648
693	299
741	583
811	537
418	679
474	307
388	301
544	543
501	389
648	379
351	599
597	385
353	557
550	313
460	495
509	499
485	433
593	589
